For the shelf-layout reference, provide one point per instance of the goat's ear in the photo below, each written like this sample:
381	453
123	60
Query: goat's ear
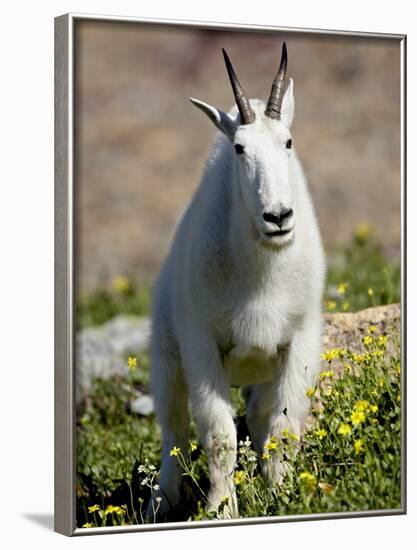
287	108
220	119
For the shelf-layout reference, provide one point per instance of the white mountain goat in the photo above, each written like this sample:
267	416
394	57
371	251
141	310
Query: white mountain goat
238	300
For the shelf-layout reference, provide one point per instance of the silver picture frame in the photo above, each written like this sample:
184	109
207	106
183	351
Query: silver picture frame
64	385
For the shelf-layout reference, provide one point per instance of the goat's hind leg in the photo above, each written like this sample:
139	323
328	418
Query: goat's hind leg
171	407
258	400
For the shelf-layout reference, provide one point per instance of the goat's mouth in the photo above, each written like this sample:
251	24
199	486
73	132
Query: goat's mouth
278	233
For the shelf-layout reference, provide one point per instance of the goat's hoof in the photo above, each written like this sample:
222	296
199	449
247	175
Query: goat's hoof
223	508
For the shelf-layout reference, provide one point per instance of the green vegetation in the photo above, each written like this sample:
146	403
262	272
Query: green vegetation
124	296
347	459
360	276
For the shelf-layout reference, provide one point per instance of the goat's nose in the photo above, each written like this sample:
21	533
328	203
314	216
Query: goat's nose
278	218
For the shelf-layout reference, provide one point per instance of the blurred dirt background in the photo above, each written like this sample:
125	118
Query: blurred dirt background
141	146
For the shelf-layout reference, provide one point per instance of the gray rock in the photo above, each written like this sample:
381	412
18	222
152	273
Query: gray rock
143	404
101	351
346	330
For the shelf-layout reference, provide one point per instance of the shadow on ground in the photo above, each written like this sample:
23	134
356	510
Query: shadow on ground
44	520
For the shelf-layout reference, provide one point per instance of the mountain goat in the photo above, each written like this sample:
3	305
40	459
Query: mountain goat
238	300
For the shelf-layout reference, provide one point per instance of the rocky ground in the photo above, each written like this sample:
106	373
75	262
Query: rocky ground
346	330
102	351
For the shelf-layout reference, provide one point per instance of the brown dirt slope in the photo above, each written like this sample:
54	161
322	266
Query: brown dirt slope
141	146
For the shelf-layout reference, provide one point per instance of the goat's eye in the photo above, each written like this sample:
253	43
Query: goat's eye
239	149
288	145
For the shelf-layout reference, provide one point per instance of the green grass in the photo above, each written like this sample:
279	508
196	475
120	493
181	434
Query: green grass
360	276
124	296
118	452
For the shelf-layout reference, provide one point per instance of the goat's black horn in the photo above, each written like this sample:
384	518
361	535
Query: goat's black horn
246	112
273	108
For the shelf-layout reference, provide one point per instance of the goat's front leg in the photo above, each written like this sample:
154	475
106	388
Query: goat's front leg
297	369
209	393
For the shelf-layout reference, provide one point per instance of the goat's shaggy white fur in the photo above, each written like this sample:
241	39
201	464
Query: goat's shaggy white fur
237	304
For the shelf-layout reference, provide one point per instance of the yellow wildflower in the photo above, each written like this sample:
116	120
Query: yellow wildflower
132	363
193	446
361	358
382	340
341	289
344	430
357	417
239	477
326	374
175	451
94	508
121	284
367	340
373	408
271	444
285	432
358	446
371	329
310	392
321	433
370	291
294	437
266	456
306	475
345	306
88	525
308	479
331	304
362	232
398	398
332	354
362	405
